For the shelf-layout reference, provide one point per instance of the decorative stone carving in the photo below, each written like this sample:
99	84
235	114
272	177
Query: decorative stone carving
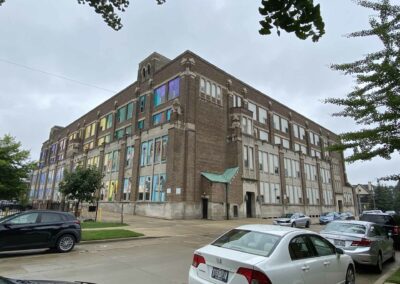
235	121
229	84
115	103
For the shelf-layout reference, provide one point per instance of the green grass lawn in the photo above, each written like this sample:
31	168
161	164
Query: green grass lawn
97	225
108	234
395	277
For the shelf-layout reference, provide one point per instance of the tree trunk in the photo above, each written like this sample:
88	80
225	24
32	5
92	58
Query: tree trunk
77	209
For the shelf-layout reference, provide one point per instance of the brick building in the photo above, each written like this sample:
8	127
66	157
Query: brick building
167	143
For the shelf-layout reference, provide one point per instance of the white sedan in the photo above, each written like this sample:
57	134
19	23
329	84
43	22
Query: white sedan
265	254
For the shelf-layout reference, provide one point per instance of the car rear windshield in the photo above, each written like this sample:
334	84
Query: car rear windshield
346	228
248	241
379	219
288	215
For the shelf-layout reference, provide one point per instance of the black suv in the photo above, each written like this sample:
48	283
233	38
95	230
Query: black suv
388	222
39	229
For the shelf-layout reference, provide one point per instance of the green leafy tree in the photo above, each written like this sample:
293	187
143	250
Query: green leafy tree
383	198
375	101
14	168
81	185
298	16
396	197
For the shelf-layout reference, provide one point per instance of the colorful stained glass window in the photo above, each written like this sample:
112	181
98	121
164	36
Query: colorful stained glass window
173	90
160	95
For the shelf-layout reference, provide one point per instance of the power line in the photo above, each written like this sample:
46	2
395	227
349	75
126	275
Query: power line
55	75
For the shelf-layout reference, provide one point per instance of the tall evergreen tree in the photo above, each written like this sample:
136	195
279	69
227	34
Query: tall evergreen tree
374	103
383	198
14	168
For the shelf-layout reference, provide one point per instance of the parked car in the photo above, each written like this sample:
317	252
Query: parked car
39	229
271	254
293	220
367	243
4	280
386	220
327	217
347	216
391	212
372	211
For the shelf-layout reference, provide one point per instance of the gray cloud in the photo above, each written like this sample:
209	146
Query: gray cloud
68	39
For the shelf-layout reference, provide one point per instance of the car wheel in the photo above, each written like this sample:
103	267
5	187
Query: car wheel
350	276
308	224
65	243
294	224
379	264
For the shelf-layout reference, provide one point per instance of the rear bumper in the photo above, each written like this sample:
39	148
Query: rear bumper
362	256
194	279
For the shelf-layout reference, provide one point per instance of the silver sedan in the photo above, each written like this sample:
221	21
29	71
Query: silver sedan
293	220
367	243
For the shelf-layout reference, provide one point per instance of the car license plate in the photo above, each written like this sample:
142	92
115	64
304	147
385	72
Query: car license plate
219	274
339	243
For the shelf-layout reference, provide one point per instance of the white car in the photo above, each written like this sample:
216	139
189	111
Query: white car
265	254
293	220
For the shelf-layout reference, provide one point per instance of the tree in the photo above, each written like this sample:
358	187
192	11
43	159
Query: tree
14	168
396	197
81	184
383	198
375	101
298	16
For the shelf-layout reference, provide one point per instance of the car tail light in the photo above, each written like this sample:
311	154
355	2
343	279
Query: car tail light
396	230
362	243
197	259
254	276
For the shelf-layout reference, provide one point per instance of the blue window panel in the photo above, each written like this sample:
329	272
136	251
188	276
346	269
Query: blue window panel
141	124
169	114
160	95
173	90
157	119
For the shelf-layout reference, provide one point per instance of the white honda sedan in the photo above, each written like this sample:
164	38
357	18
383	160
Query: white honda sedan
265	254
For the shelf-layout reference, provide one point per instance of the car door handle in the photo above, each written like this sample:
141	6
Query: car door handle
305	268
326	263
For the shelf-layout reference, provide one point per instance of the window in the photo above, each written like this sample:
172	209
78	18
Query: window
128	130
280	123
142	103
51	218
150	149
164	148
277	140
127	189
130	151
119	133
263	135
262	115
129	111
141	124
248	157
143	153
263	161
115	161
162	117
90	130
314	138
219	93
299	248
294	194
273	164
29	218
253	109
247	126
158	189
160	95
211	89
322	246
173	88
270	192
109	120
237	101
202	85
157	150
285	143
144	188
121	114
102	124
299	132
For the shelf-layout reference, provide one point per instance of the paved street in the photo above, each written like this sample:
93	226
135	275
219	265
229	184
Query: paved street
165	259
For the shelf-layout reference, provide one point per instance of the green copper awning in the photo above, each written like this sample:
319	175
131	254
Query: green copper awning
226	177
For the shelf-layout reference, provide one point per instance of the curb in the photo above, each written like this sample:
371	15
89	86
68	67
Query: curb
119	240
385	276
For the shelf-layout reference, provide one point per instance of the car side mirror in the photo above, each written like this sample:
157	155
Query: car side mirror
339	251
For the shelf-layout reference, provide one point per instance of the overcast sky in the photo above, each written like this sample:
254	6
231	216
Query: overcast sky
70	40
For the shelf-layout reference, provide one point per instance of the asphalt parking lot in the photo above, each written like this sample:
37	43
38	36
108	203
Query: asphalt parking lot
163	259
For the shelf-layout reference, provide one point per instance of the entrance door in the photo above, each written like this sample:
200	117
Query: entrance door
340	205
205	207
249	202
